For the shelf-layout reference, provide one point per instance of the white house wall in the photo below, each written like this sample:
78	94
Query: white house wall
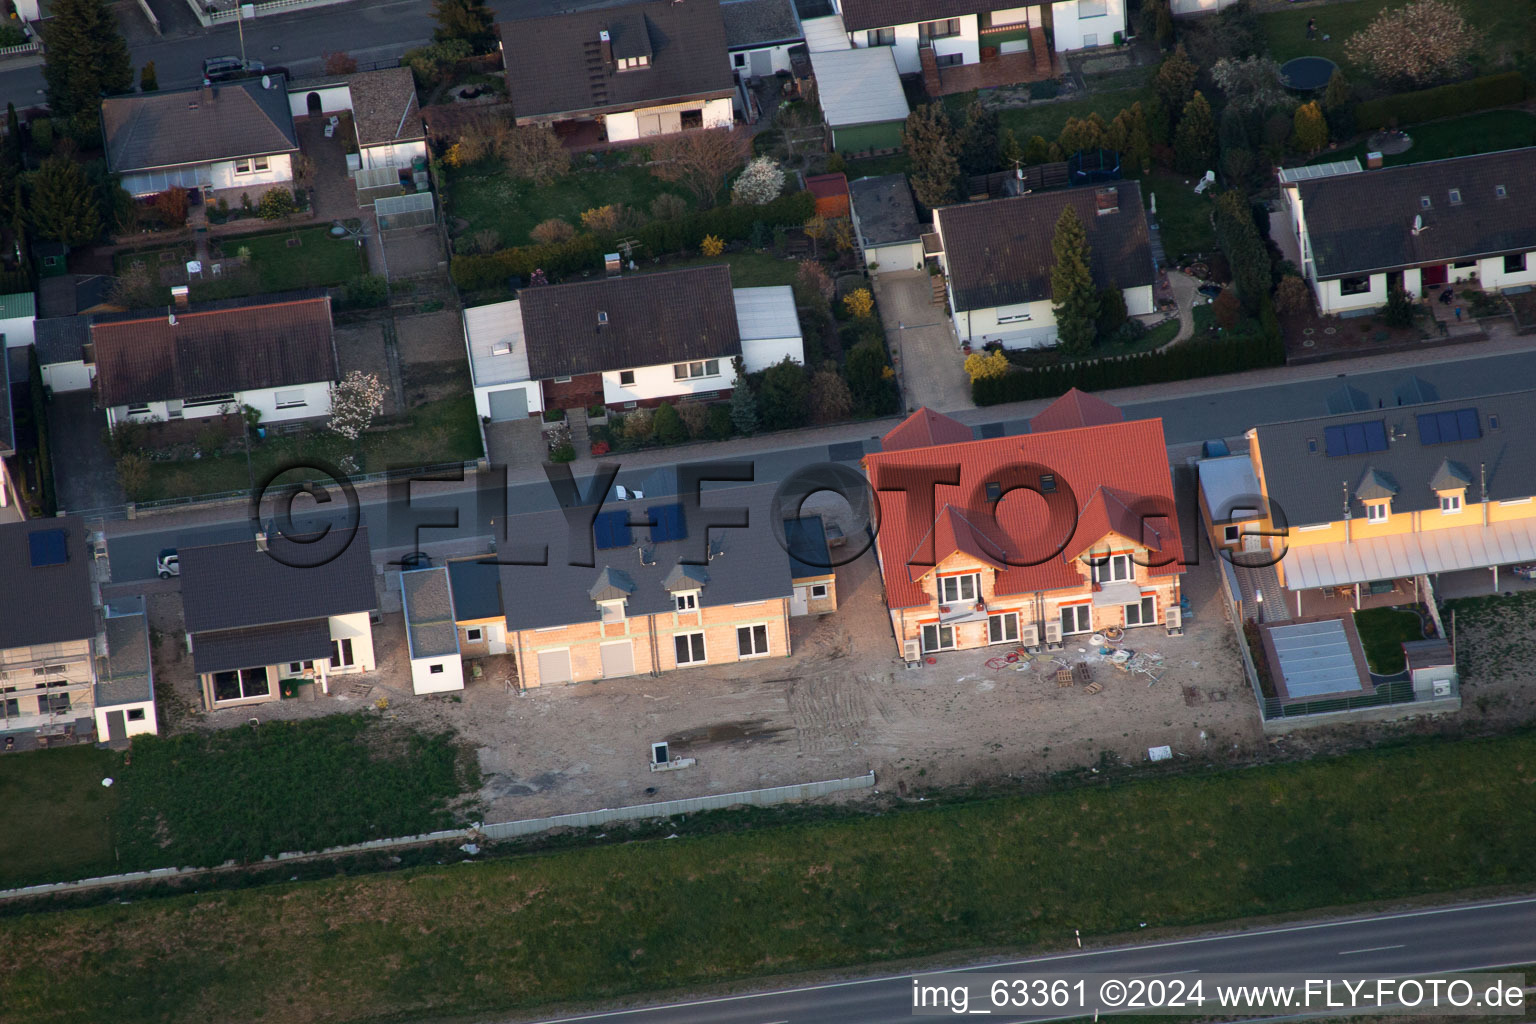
777	55
967	44
1331	298
531	388
1074	32
316	398
146	725
1139	301
1491	273
625	125
759	354
279	171
334	99
449	674
18	331
61	377
1000	323
355	626
658	382
902	256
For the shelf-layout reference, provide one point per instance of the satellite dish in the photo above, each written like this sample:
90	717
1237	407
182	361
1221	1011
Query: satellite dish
266	81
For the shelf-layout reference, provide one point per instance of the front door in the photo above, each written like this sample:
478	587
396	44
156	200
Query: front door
762	63
618	659
1433	277
799	601
117	728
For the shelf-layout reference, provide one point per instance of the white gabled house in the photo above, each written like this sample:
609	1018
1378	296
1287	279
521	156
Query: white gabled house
386	116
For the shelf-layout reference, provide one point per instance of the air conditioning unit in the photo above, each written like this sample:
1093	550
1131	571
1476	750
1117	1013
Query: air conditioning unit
1442	687
1175	616
1029	636
912	652
1053	635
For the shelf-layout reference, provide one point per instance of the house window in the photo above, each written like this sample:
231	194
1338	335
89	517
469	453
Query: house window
1047	483
1076	618
1376	512
1014	318
689	648
54	703
739	60
1450	503
698	368
880	37
10	707
260	163
1002	629
752	641
1230	534
203	400
435	669
1514	263
1090	39
298	668
1092	9
562	380
613	611
474	635
949	60
939	29
135	714
1500	191
632	63
1354	285
138	410
1143	613
1113	569
937	637
291	399
626	378
1464	264
1455	197
820	589
341	653
243	166
686	601
954	589
242	684
1424	202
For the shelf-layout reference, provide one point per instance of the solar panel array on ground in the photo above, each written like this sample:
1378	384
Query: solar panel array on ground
1315	658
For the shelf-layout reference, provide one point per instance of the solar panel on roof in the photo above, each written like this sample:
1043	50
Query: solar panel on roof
611	530
667	522
1446	427
48	547
1333	439
1376	436
1355	438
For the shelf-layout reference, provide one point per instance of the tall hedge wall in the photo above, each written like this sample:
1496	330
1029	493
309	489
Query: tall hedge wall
1499	90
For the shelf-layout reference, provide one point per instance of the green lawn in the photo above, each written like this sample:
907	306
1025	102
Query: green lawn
599	923
487	197
317	261
1047	119
1504	23
875	166
1183	218
1485	132
1382	632
58	814
748	269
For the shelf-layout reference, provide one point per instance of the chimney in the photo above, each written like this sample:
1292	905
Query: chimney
180	296
606	46
1107	200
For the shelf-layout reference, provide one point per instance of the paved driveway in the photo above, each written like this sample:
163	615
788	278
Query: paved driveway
927	353
83	470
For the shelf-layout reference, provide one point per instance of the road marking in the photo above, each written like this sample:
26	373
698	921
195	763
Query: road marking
1404	915
1372	949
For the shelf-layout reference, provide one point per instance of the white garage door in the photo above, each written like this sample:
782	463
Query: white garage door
511	404
618	659
554	667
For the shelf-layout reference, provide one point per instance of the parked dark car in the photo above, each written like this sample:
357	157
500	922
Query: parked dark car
224	69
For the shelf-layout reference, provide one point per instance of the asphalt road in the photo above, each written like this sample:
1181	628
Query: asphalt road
1458	937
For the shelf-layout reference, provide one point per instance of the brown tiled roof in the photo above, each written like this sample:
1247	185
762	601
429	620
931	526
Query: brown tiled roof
211	352
384	106
1360	223
554	65
193	126
652	319
999	252
862	14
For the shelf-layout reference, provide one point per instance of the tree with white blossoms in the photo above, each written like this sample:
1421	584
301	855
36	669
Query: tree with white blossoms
760	183
1251	84
354	403
1415	45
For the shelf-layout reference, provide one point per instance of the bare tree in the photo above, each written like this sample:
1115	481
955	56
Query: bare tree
699	161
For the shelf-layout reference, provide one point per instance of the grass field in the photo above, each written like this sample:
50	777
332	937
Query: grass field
1183	218
318	261
1505	25
748	269
1485	132
601	922
440	431
487	197
203	798
1382	632
57	814
1048	119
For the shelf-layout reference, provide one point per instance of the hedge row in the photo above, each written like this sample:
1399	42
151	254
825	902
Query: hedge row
585	252
1181	362
1445	101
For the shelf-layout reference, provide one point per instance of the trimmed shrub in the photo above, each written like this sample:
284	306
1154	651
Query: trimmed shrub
472	272
1499	90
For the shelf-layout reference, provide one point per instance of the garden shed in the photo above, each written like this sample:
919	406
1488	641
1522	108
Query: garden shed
861	98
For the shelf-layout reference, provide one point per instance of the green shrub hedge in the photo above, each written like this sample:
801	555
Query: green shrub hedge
1181	362
729	223
1444	101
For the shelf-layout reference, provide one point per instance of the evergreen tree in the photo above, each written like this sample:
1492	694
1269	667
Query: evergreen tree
1194	143
1139	147
1112	312
1037	151
64	204
12	137
743	403
469	20
1311	128
1338	92
1338	106
1246	253
86	58
929	140
1010	150
979	147
1073	295
149	81
1174	82
1233	131
784	396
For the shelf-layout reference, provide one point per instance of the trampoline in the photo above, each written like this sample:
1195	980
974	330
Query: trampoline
1307	74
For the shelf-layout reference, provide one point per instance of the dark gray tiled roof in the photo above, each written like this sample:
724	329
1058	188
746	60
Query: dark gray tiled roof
50	604
1309	488
128	678
1375	484
7	427
476	586
752	566
235	585
61	339
652	319
194	126
1364	222
755	23
553	67
428	600
862	14
886	211
999	252
228	649
807	539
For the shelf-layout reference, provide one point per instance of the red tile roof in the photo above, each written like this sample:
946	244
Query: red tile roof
821	185
1075	409
923	428
1109	478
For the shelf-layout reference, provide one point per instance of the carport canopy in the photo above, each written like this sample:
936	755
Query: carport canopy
1340	563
